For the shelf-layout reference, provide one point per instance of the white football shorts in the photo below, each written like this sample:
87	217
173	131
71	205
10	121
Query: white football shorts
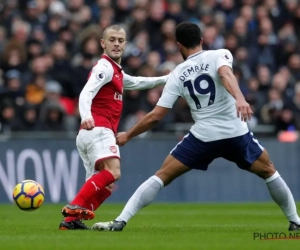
96	145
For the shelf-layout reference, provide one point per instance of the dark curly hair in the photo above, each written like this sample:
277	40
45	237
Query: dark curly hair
188	34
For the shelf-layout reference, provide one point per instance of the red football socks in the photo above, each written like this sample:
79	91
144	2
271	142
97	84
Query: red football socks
92	186
93	203
98	199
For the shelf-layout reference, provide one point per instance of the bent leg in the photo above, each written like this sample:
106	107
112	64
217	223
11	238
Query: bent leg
92	186
277	187
98	187
102	163
104	157
78	208
147	192
188	154
95	201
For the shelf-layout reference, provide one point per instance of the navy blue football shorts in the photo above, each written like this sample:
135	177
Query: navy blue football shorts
196	154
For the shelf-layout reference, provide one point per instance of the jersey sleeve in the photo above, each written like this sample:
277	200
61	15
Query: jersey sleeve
101	74
223	57
139	82
170	93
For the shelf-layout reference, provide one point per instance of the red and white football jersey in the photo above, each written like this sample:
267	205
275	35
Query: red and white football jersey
101	97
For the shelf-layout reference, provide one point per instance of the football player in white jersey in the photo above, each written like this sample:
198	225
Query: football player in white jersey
220	113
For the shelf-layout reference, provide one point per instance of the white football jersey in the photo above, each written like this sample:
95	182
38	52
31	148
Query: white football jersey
212	107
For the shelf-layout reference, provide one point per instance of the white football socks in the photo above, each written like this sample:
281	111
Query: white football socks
142	197
282	195
147	192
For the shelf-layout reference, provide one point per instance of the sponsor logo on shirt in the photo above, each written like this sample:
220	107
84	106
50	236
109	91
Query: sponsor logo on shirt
118	96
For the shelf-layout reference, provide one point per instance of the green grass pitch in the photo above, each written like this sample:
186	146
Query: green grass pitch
159	226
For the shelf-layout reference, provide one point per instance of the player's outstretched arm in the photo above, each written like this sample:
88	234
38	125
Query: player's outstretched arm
170	94
145	124
230	83
140	83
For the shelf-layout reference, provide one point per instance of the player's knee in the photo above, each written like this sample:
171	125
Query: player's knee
113	166
116	173
164	176
263	166
268	169
265	170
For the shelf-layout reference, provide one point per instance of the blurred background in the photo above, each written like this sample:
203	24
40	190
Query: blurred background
48	47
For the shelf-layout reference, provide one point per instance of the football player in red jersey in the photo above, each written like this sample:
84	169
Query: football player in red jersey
100	106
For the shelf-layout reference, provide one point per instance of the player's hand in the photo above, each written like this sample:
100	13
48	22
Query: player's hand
88	124
243	110
122	138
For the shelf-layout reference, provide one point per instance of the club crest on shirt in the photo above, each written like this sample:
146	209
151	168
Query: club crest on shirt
113	149
100	76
